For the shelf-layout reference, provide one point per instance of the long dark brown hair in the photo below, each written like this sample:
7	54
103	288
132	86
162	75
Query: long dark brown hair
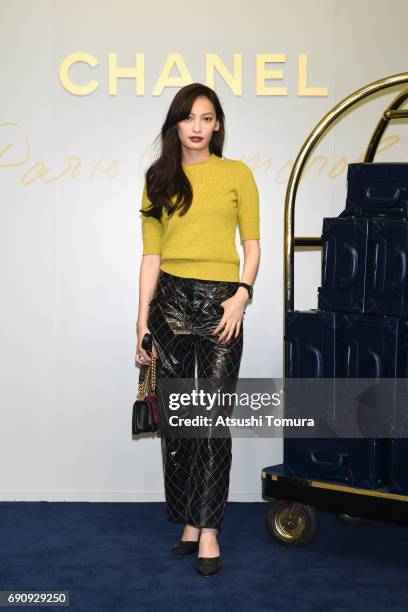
166	178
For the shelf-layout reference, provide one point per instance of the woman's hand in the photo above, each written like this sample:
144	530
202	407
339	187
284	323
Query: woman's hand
141	351
234	310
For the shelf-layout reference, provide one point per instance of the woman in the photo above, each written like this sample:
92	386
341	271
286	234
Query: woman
191	298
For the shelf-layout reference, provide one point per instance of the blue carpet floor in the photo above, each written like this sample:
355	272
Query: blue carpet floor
115	557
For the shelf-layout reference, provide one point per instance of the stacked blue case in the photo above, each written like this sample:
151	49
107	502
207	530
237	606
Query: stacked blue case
360	328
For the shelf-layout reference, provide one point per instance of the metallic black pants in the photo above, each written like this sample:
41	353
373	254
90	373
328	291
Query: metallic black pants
182	316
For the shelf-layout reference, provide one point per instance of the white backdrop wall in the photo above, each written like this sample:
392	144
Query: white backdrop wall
71	172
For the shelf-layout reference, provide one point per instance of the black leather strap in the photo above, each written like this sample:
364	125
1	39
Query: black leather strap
248	288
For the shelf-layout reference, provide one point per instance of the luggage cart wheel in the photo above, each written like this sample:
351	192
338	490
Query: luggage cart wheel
292	523
348	519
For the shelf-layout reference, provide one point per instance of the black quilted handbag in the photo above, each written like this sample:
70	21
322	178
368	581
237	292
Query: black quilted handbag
146	416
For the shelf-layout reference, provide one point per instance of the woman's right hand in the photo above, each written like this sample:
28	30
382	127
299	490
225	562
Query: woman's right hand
141	351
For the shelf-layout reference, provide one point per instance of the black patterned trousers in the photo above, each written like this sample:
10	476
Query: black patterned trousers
182	316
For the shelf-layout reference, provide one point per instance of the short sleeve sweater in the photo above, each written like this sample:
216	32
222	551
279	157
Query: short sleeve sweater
201	243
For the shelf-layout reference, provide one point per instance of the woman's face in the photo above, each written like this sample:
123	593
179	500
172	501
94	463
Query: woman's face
196	130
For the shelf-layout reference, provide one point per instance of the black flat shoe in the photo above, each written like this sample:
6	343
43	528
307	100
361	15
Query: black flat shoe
208	565
184	547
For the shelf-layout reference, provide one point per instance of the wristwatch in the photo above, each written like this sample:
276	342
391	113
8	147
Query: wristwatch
248	288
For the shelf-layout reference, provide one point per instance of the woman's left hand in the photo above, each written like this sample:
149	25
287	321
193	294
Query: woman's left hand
234	310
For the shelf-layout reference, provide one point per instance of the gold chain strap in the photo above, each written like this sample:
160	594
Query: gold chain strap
149	383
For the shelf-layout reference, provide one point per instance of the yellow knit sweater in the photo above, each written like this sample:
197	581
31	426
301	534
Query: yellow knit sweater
201	244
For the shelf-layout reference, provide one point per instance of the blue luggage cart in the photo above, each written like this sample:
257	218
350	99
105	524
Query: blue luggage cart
292	517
